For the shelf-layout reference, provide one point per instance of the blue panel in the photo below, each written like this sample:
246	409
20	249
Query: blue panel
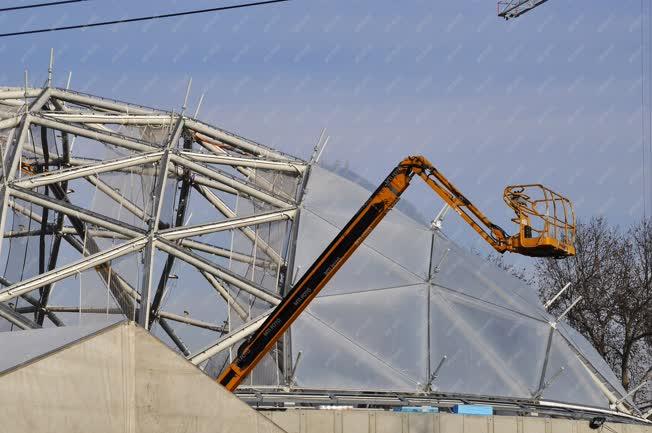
418	409
473	409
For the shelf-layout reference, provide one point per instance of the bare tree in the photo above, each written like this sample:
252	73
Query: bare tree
520	272
612	271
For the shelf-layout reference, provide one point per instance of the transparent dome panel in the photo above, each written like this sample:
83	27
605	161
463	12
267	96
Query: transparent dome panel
390	324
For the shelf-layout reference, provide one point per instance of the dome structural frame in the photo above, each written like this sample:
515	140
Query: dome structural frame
100	194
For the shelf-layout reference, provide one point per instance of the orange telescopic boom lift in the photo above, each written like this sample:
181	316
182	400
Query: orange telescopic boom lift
546	229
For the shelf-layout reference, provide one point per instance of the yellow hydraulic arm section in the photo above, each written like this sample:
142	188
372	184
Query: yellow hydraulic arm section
552	238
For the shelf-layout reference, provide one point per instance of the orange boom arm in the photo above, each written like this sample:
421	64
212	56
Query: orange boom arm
554	239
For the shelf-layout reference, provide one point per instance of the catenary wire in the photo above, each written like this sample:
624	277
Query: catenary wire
40	5
146	18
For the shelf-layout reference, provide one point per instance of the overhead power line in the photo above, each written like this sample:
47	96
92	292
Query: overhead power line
40	5
147	18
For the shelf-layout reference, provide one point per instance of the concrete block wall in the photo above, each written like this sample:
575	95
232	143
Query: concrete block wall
366	421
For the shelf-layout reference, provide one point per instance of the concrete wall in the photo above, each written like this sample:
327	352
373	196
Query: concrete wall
363	421
122	380
85	387
172	395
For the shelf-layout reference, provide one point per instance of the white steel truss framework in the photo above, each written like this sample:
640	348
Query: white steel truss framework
109	208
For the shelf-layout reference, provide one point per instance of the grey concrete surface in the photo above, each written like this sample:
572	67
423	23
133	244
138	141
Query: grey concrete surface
121	380
23	346
367	421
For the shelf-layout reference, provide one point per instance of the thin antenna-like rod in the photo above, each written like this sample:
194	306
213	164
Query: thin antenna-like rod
50	67
567	310
294	368
25	94
435	374
630	393
554	377
185	100
201	99
68	81
322	149
552	301
315	149
443	257
439	219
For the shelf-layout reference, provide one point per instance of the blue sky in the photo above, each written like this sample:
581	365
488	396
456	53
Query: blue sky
552	97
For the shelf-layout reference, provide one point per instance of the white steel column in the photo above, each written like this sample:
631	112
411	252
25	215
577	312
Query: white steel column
10	165
159	190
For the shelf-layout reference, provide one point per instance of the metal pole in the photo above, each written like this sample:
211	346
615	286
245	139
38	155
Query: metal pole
551	301
174	337
567	310
629	394
152	232
225	275
185	100
66	271
201	99
225	210
191	321
177	233
230	339
10	163
50	67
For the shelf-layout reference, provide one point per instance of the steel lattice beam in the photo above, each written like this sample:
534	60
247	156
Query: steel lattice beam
80	137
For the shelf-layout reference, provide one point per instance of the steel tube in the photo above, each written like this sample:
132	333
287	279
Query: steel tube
111	119
229	340
226	295
10	122
10	164
225	210
93	134
229	181
76	211
16	318
116	279
216	270
223	252
78	98
173	336
19	93
235	141
118	198
66	271
191	321
51	177
233	161
38	103
176	233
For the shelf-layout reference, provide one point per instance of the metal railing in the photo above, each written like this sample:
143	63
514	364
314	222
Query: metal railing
549	214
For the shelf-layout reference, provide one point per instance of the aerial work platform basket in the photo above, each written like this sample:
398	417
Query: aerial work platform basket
546	221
